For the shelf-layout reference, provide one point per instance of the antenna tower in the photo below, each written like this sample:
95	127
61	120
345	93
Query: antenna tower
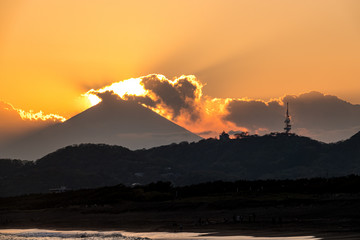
287	127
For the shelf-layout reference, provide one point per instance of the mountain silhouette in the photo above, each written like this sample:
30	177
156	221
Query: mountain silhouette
273	156
113	121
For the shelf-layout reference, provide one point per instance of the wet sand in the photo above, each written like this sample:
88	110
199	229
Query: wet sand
76	234
325	222
327	216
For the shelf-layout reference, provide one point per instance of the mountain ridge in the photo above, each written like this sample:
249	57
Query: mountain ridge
273	156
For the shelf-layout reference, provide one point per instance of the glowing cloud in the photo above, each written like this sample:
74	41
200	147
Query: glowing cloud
123	88
93	99
170	98
15	121
30	115
181	100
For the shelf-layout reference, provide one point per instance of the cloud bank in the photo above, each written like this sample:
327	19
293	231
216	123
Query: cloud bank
323	117
181	100
314	114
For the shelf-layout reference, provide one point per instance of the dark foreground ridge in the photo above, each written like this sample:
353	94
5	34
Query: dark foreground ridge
321	207
274	156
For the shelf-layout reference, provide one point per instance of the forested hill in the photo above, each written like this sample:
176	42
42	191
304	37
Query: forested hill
275	156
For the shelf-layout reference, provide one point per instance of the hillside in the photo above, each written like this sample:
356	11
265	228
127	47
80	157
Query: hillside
275	156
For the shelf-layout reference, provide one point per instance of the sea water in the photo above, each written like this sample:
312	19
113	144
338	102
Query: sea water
41	234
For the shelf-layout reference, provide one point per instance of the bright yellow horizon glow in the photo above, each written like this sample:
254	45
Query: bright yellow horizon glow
129	87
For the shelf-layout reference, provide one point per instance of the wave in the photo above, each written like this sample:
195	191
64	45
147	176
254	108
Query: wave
57	235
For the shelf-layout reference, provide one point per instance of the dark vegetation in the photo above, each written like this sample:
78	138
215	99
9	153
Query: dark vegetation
291	185
298	190
321	207
273	156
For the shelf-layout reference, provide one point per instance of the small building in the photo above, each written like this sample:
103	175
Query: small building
224	136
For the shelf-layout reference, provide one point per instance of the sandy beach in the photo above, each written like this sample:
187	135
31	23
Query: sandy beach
75	234
186	224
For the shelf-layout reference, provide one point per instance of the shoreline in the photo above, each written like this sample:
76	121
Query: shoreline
326	216
176	222
161	235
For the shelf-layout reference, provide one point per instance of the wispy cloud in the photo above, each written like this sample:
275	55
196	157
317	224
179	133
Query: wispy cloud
15	121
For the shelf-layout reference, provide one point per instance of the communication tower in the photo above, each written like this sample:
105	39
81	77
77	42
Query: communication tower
287	127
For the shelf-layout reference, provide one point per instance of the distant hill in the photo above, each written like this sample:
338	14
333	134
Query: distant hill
113	121
274	156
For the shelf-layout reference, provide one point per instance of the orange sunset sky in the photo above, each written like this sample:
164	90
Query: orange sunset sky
52	52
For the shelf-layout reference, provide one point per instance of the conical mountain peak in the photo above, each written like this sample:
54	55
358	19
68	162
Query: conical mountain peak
112	121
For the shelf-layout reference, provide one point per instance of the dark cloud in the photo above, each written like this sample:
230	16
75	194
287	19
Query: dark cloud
108	96
255	114
111	97
175	98
323	117
178	96
165	92
185	88
142	99
315	110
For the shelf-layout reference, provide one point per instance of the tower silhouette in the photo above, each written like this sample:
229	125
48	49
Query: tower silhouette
287	127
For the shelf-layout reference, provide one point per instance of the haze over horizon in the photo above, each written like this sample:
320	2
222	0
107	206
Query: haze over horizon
226	65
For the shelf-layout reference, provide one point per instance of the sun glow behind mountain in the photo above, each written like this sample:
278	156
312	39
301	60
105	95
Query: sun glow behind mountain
151	92
123	88
182	101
